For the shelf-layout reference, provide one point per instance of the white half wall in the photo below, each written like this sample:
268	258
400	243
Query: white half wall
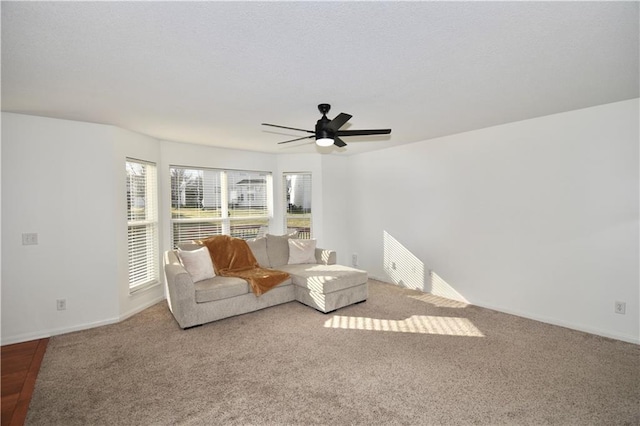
538	218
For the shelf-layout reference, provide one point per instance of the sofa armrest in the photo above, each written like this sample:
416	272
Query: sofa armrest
181	292
325	257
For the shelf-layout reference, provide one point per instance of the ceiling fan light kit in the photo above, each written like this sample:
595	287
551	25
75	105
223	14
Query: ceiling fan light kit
327	132
324	142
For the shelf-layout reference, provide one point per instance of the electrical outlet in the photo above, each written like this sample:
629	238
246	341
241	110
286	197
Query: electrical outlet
354	259
61	304
620	307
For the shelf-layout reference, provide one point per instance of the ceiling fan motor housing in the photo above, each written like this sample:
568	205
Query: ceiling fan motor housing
321	129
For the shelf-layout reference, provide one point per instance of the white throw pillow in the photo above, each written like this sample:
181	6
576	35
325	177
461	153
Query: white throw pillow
302	251
197	263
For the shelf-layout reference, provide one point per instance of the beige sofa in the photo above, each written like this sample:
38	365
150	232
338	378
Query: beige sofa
322	285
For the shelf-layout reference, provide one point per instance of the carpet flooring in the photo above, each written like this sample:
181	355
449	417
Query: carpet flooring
402	357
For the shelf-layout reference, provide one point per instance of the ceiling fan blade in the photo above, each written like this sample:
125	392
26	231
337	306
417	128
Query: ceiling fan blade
363	132
299	139
290	128
338	122
338	142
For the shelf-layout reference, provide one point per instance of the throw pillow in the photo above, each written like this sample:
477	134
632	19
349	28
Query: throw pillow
278	249
197	263
189	246
302	251
259	248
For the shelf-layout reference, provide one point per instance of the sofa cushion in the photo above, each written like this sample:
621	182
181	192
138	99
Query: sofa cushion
301	251
258	247
197	263
326	257
218	288
325	278
278	249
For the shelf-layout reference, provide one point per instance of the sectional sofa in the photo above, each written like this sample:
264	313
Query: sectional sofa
316	281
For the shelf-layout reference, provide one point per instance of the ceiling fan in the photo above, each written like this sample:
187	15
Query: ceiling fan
328	131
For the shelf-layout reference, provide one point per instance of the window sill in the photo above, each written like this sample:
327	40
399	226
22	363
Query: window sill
143	288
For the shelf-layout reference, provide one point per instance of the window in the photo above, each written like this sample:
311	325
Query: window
297	190
142	222
207	202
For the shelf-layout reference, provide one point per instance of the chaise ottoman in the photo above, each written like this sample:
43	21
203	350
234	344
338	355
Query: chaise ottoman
327	287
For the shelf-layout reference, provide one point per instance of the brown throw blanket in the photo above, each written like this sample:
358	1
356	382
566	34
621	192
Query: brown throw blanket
232	257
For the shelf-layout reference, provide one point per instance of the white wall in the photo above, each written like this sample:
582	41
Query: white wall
537	218
57	177
335	206
65	181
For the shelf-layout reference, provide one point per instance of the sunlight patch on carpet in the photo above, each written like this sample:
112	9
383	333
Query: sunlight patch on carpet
438	301
422	324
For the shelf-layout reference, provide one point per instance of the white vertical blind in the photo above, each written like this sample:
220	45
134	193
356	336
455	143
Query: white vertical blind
142	222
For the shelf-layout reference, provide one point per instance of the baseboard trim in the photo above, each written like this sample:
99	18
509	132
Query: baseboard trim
41	334
141	308
559	323
552	321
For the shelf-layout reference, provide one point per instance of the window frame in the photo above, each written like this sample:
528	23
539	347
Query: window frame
222	222
307	182
143	265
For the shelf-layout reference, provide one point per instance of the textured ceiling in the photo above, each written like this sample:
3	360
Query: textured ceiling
211	72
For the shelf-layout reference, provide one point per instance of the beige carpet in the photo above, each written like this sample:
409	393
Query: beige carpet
402	357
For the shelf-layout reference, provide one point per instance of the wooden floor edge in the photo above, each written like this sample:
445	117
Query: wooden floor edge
20	413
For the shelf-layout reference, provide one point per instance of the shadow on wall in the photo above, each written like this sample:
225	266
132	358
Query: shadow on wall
405	269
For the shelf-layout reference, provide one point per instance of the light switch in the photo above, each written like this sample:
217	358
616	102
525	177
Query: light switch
29	239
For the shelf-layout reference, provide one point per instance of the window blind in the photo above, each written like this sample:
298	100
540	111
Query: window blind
297	203
207	202
142	223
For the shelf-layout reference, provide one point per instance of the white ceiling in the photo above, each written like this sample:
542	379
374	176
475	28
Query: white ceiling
211	72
